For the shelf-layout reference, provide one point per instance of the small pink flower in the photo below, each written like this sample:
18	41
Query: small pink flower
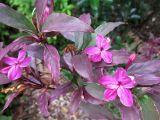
119	85
99	52
16	65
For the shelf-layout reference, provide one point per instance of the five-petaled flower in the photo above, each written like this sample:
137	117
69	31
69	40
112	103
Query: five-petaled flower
119	84
16	65
99	52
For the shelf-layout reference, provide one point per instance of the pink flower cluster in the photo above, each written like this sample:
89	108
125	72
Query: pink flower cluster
119	84
16	65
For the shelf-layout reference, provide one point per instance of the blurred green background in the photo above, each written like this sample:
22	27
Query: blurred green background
134	12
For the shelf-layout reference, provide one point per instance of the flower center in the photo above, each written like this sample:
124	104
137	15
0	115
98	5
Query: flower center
101	49
119	83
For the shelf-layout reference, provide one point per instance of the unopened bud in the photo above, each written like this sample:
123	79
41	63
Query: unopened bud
132	57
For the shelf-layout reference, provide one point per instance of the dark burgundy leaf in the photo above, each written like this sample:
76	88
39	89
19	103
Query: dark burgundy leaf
76	100
52	61
41	7
98	112
95	90
61	22
61	90
129	113
90	99
14	19
9	100
106	28
151	66
15	45
43	102
83	66
4	79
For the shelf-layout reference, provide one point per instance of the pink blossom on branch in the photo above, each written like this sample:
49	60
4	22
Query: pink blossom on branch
16	65
100	51
119	84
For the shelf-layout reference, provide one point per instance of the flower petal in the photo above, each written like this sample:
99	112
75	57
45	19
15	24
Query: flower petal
102	42
5	70
120	73
25	62
127	82
14	73
109	82
9	60
21	55
110	94
95	58
92	50
107	56
125	96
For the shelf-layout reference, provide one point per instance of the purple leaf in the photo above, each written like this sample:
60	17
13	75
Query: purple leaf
43	102
34	80
61	90
106	28
129	113
119	57
73	36
61	22
14	19
15	45
97	112
83	66
41	10
68	60
86	18
147	79
9	100
76	100
52	61
35	50
151	66
4	79
95	90
90	99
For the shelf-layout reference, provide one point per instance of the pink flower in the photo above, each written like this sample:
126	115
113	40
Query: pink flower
96	53
119	85
16	65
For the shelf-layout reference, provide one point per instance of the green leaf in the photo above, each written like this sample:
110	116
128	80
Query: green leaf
94	4
95	90
14	19
5	117
149	109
